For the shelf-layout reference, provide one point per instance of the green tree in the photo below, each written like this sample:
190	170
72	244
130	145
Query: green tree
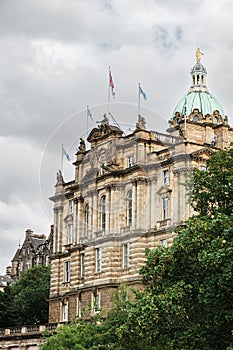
26	301
212	190
31	293
97	334
7	312
188	300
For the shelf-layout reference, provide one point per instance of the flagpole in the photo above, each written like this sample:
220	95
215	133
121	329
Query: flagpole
139	98
185	117
87	118
61	157
109	70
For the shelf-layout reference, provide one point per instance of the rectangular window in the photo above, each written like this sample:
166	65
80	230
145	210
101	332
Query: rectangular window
28	264
103	212
64	312
82	265
98	259
67	271
130	161
47	260
165	208
79	301
70	234
71	206
38	260
125	255
163	242
96	302
166	177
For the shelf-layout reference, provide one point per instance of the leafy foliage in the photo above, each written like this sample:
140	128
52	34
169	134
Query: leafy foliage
188	300
212	190
26	301
96	335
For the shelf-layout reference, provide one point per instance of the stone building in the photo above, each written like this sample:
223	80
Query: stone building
127	195
35	250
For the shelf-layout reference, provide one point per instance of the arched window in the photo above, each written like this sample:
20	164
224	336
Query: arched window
129	208
103	212
215	120
87	218
196	118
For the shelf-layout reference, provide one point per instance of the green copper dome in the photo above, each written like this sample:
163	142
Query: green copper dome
203	100
198	95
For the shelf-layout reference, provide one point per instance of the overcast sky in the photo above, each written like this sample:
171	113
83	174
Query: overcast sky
54	62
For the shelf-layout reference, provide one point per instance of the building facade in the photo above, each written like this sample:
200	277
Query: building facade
35	250
127	195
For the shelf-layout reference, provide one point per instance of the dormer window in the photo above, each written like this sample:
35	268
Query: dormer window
215	120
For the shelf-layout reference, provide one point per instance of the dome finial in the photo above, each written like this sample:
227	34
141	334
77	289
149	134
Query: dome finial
198	54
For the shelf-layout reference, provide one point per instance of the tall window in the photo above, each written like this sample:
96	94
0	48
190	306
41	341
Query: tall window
103	212
47	260
125	255
165	208
166	177
96	302
82	265
64	312
71	206
98	259
79	305
87	217
70	234
67	271
130	161
129	208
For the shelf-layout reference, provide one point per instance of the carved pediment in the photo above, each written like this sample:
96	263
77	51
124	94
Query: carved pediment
202	154
102	130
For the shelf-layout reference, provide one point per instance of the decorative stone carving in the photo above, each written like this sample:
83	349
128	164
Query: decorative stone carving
141	123
59	178
82	146
103	129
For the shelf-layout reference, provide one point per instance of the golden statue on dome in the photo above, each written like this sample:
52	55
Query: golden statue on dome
198	54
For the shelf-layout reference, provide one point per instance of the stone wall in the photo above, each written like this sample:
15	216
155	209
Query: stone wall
24	338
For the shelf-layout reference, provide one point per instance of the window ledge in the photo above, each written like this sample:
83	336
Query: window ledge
165	222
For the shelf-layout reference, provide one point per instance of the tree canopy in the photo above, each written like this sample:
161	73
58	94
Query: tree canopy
212	190
26	301
188	300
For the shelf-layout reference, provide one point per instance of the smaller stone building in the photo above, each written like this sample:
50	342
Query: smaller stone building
35	250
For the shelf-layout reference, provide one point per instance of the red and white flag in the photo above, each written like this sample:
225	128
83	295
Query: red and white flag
111	84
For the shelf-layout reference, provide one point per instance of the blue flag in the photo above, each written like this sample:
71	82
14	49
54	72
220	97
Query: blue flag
185	107
142	92
65	153
89	114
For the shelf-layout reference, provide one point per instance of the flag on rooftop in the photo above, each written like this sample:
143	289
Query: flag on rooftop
185	106
141	92
65	153
89	114
111	84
